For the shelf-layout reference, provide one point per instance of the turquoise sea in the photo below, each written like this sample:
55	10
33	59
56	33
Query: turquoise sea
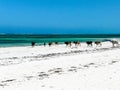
11	40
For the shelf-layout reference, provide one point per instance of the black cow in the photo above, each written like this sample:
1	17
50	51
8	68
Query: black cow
32	44
68	44
50	44
89	43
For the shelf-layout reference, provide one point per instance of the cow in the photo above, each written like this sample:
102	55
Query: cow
32	44
89	43
77	43
50	44
98	43
68	44
114	42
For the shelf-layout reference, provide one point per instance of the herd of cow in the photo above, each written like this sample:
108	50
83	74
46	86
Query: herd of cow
77	43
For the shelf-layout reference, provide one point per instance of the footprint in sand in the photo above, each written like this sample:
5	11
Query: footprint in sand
29	77
55	71
91	64
4	83
114	62
73	69
43	75
10	80
95	65
86	66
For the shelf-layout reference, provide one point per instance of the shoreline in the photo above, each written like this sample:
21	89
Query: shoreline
25	40
57	67
18	55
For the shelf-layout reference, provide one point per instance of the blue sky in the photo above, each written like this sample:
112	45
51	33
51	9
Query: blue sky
60	16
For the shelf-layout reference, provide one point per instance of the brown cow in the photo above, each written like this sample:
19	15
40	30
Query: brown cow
77	43
98	43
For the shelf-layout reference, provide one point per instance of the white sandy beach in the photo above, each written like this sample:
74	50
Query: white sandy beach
60	68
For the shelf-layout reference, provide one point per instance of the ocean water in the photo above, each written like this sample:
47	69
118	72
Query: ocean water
11	40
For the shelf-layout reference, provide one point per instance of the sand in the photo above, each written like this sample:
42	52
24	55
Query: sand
60	68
